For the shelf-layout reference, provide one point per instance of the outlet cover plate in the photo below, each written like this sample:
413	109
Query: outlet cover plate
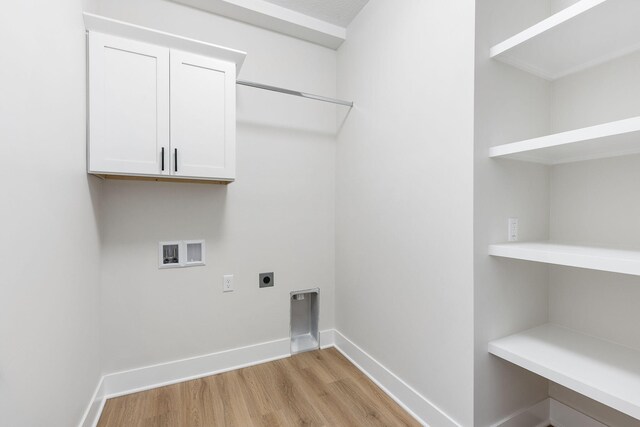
266	280
227	283
513	230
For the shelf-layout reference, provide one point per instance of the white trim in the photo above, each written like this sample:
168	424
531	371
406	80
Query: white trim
94	409
406	396
549	412
327	338
565	416
163	374
537	415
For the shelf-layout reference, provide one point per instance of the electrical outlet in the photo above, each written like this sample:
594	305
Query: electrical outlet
513	230
227	283
265	280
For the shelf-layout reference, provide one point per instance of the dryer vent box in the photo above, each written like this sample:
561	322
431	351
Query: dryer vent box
305	316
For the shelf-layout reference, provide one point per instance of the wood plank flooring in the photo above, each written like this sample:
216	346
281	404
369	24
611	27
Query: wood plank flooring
318	388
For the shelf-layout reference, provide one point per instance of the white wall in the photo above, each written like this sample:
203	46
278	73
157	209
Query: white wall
596	202
558	5
510	296
404	272
49	338
278	216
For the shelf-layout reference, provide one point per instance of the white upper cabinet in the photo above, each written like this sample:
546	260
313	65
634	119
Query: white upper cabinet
157	111
202	125
128	104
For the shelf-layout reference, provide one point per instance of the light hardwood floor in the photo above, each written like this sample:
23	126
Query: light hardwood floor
319	388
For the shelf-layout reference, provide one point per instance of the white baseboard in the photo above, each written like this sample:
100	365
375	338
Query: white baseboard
96	404
327	338
406	396
549	412
162	374
537	415
565	416
159	375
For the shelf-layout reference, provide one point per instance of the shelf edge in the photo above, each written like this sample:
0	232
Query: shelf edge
568	258
543	26
576	136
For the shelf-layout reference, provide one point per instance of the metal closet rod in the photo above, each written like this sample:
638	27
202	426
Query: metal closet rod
294	93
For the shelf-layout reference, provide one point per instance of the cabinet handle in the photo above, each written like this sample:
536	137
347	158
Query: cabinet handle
162	159
175	164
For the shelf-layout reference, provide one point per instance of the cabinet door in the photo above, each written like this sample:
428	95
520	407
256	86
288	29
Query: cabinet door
203	95
128	106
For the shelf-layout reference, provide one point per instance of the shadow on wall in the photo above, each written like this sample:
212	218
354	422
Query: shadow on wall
156	210
94	184
287	113
291	130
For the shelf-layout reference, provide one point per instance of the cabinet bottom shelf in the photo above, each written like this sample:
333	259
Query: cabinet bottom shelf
161	179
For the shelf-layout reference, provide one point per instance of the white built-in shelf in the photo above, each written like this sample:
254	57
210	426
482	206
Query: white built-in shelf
591	257
612	139
272	16
126	30
585	34
606	372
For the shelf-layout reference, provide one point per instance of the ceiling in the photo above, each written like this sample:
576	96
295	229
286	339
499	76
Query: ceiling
337	12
